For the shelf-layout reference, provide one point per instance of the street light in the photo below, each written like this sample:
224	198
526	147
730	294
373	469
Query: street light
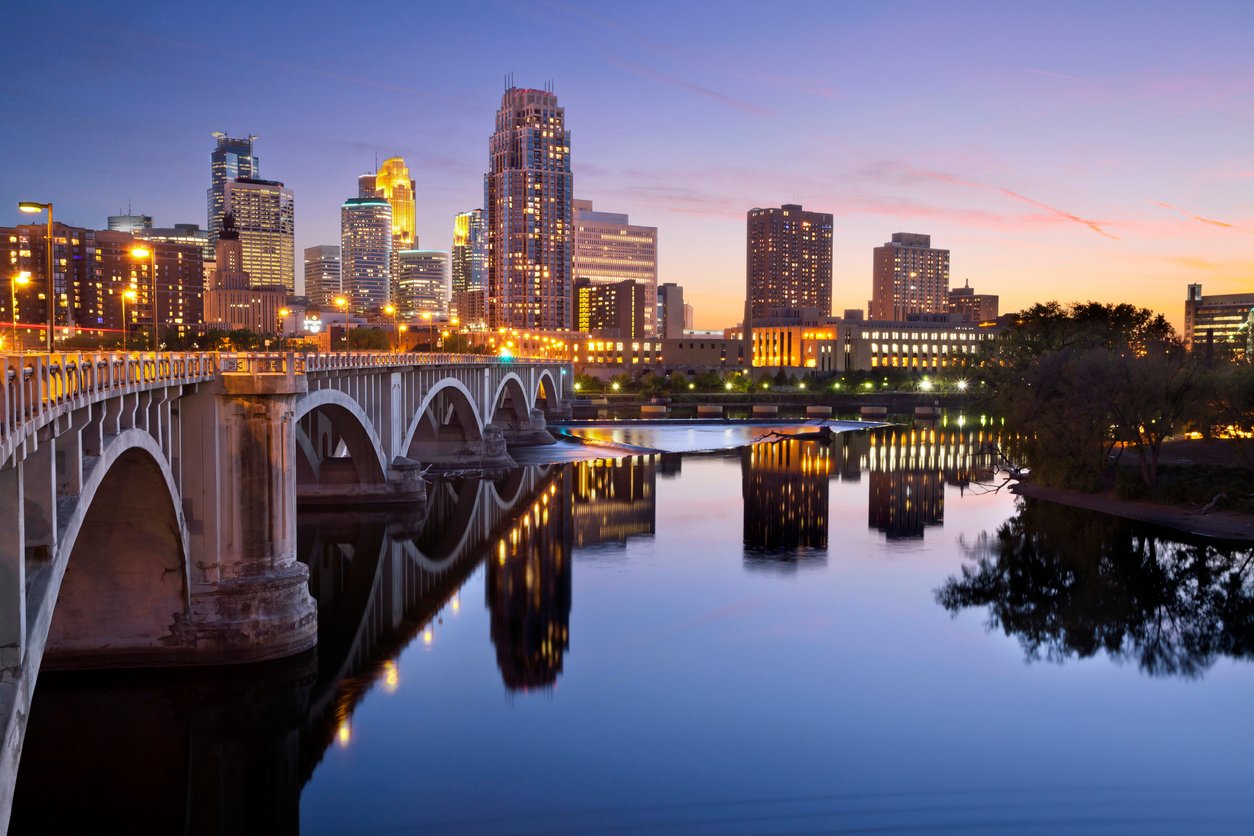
129	295
284	313
32	207
401	337
342	304
390	311
150	253
20	280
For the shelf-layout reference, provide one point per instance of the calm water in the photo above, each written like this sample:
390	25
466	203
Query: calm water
782	638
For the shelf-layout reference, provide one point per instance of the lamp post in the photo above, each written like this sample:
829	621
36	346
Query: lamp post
128	295
390	311
32	207
20	280
342	304
400	338
283	315
429	329
150	253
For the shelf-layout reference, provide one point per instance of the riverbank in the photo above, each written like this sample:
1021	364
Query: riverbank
1220	525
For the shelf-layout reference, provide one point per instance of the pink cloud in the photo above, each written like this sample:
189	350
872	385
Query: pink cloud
1188	214
1052	74
730	101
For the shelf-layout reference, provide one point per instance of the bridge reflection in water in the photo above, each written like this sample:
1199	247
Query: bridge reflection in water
231	750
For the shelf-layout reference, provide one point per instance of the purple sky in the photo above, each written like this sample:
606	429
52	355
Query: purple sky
1069	151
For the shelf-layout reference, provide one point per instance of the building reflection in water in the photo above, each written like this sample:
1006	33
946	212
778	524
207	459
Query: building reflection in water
908	471
614	499
528	588
785	490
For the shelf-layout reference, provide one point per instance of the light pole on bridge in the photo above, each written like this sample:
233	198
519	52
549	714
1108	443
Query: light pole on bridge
32	207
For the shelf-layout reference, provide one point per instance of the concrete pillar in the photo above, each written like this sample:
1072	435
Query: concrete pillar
40	489
12	567
250	596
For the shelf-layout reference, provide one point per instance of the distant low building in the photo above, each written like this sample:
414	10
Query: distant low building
619	309
1223	319
972	306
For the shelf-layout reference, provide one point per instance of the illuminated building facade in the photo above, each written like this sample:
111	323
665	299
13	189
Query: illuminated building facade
470	267
366	252
527	197
129	223
190	234
265	217
230	159
785	490
609	249
1224	319
233	299
910	276
423	283
322	274
180	290
528	590
611	310
789	260
971	306
393	183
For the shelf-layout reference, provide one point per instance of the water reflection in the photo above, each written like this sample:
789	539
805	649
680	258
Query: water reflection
908	471
614	498
528	589
784	487
1071	584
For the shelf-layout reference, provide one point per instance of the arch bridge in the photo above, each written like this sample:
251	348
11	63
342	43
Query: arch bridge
148	501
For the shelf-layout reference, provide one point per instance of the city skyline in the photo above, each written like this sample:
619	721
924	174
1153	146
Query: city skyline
1070	166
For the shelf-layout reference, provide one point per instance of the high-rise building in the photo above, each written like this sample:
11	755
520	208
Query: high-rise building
366	252
527	197
972	306
671	318
470	267
234	299
789	261
265	217
910	277
1222	320
422	283
609	250
611	310
366	186
178	234
129	223
230	159
393	183
322	274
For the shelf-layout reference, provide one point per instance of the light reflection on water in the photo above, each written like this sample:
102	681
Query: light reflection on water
785	637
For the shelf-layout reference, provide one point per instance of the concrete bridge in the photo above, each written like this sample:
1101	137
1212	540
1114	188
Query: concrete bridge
148	501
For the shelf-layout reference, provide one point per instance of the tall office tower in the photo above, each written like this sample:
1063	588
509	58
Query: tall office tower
608	250
265	216
527	196
366	252
470	267
230	159
972	306
129	223
422	283
234	298
322	274
366	186
178	234
670	311
910	277
611	310
1223	320
789	261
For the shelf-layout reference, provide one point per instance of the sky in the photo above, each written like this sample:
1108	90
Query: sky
1068	151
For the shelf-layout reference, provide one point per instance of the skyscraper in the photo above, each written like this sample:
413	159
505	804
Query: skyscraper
789	260
671	319
423	283
527	196
234	298
609	250
366	252
230	159
265	216
322	274
910	277
972	306
470	267
610	310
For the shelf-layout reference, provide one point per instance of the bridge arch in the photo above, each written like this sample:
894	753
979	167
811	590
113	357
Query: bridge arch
510	407
547	395
336	441
129	583
447	427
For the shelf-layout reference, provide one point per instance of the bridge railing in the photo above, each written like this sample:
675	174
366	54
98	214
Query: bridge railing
32	385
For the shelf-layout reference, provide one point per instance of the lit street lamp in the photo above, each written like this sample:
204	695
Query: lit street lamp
20	280
150	253
390	311
31	207
128	295
284	313
342	304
